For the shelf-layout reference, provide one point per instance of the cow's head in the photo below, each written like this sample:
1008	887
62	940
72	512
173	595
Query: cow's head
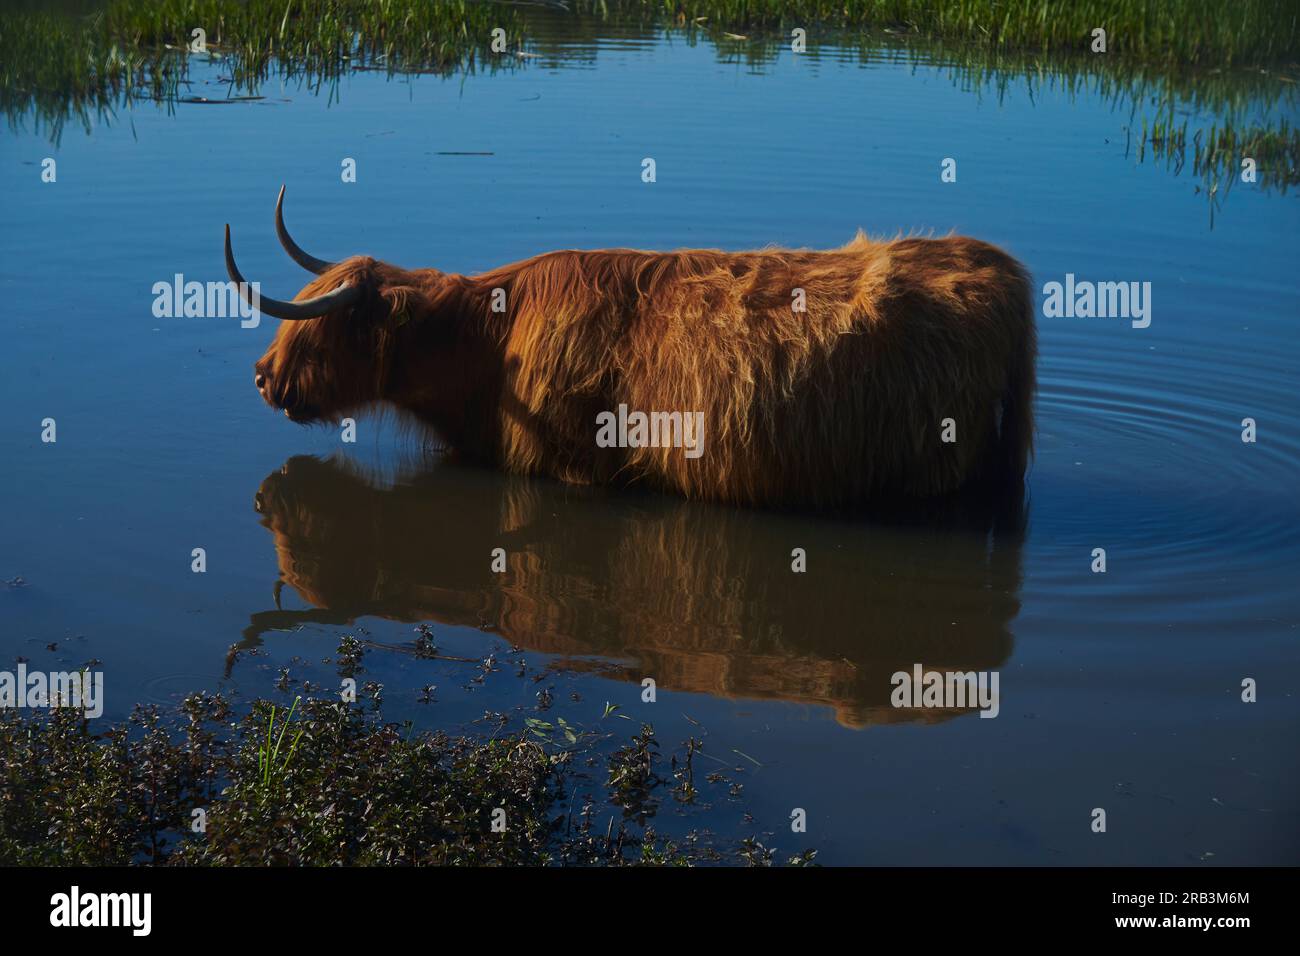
340	341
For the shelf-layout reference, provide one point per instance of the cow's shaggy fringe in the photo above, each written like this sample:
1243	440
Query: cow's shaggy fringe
839	404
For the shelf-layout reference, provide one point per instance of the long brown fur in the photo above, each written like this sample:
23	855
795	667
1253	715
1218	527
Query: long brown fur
840	404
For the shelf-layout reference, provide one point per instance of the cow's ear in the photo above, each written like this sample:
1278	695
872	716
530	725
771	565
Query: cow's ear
402	304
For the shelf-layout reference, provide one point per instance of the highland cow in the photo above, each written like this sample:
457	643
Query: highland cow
823	378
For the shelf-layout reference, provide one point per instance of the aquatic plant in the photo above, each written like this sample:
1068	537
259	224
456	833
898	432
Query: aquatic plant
1216	153
1185	32
268	756
1235	63
349	790
72	66
72	797
1236	69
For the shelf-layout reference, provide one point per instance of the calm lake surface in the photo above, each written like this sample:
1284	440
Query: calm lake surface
1119	690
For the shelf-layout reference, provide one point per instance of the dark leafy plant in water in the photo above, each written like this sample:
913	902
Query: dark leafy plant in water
70	797
325	784
632	780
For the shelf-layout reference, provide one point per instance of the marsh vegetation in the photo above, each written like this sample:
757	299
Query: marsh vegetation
774	686
1201	84
327	783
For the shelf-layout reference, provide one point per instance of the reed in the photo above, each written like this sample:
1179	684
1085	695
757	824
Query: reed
1186	32
1233	66
87	62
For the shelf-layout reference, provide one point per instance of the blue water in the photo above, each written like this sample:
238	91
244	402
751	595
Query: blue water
1119	691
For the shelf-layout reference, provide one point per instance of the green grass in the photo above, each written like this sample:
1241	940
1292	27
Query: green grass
272	769
1185	116
1188	120
1175	103
1236	61
1186	32
75	65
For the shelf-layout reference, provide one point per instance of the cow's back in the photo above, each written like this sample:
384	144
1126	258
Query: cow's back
822	377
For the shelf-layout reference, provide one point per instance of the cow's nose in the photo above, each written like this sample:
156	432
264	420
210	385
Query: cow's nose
259	380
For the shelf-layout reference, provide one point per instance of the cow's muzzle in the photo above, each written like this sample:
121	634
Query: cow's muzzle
285	399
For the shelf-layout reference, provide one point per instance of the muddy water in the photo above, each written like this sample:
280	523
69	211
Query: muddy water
1119	690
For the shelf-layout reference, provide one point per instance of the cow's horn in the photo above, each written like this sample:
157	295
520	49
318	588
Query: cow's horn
308	262
342	297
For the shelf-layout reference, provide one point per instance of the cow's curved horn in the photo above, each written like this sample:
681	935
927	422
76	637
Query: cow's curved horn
308	262
342	297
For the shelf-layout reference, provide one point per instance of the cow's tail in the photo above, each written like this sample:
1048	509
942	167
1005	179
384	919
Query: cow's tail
1016	432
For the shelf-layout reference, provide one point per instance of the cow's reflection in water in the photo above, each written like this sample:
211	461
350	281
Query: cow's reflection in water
701	598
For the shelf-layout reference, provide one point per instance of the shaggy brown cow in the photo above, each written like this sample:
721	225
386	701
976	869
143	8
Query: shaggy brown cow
841	401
